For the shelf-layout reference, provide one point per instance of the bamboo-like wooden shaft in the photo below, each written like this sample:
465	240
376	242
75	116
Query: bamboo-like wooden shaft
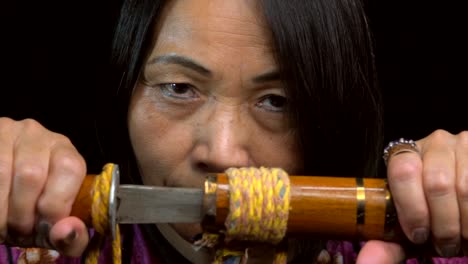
329	207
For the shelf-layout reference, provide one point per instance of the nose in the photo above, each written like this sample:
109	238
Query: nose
222	140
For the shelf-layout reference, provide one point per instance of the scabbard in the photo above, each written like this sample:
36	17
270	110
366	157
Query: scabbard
322	207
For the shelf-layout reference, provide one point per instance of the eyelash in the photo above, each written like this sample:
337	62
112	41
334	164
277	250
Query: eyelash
168	90
270	108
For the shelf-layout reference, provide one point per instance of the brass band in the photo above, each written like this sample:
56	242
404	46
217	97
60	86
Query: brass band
360	205
209	202
391	219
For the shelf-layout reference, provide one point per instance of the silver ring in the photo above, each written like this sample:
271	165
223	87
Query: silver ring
399	146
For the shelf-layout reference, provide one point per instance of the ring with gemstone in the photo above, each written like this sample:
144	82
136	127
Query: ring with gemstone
399	146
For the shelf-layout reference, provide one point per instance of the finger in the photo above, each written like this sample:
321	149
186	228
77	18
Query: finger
30	168
69	236
439	184
67	170
404	175
462	181
380	252
6	161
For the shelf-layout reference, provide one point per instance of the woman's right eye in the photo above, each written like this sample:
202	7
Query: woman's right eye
180	91
273	103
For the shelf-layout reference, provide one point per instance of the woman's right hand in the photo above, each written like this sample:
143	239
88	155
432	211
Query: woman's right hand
40	175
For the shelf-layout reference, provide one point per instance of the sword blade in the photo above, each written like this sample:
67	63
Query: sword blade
151	204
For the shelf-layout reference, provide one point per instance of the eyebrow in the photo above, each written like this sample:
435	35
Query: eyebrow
197	67
182	61
267	77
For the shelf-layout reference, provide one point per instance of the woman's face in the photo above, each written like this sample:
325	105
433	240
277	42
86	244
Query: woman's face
209	97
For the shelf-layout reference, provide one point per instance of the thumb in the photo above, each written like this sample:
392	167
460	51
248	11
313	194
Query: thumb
380	252
69	236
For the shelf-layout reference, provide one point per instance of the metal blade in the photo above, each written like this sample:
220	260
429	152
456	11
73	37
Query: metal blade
151	204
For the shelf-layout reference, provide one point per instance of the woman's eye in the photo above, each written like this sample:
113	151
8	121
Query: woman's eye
273	103
178	90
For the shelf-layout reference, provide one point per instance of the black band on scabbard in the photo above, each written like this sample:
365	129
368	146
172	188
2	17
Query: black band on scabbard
391	219
361	205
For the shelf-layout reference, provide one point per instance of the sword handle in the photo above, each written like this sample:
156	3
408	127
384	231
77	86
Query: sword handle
82	206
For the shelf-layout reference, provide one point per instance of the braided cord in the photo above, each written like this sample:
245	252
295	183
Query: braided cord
259	204
100	218
258	210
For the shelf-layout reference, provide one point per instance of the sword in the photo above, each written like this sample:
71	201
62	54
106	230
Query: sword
328	207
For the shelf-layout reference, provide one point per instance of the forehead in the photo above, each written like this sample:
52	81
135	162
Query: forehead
229	23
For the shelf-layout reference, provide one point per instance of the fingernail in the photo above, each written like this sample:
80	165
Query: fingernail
420	235
42	236
448	250
67	241
3	235
23	241
70	237
42	229
464	247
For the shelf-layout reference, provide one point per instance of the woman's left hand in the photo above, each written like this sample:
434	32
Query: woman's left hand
430	193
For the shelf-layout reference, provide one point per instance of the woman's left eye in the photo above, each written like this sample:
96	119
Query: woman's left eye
273	103
178	90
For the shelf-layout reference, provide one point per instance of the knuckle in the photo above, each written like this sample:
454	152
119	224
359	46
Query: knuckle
30	175
60	139
7	125
437	182
440	136
404	169
31	124
463	139
73	162
6	122
462	187
52	209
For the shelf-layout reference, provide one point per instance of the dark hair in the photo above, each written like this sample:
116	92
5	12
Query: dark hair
325	55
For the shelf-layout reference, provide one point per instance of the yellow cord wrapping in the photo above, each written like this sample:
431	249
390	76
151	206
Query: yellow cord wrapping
258	204
100	218
258	210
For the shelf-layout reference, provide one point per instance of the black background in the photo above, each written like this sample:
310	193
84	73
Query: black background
52	54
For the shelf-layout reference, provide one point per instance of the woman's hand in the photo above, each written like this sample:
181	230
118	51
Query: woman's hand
40	175
430	192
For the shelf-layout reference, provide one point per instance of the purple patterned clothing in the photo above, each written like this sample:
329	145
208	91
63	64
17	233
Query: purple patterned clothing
141	253
336	252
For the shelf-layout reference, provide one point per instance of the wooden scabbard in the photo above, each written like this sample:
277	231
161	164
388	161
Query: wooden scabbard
328	207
